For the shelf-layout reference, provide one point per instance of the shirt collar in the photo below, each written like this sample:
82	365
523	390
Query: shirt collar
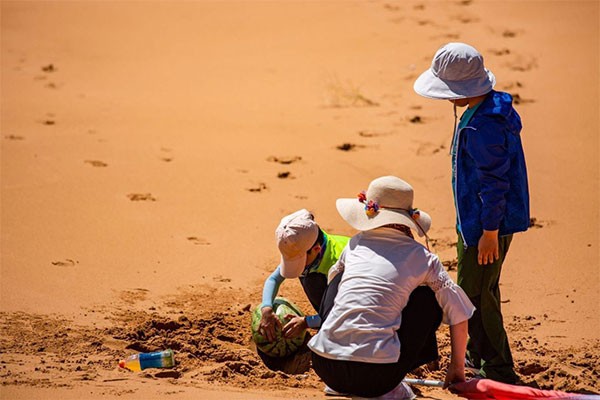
317	261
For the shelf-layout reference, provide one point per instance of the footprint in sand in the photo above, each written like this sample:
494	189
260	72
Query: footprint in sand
517	99
260	188
373	134
67	262
532	368
512	85
349	146
346	146
14	137
417	119
537	224
48	120
451	265
499	52
465	19
96	163
522	63
141	197
166	158
397	20
49	68
284	160
391	7
429	149
442	244
198	241
451	36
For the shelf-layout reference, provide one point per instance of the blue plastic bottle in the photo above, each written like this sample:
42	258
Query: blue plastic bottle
138	362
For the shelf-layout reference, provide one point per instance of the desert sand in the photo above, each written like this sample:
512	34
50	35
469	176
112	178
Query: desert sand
149	150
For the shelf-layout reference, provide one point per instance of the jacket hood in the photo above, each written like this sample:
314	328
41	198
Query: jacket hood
499	104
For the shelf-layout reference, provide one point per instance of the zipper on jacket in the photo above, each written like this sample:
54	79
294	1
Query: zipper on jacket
456	138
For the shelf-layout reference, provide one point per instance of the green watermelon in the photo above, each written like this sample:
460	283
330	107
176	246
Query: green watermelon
281	346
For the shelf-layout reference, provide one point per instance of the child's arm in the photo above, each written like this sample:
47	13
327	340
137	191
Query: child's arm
271	287
269	322
488	148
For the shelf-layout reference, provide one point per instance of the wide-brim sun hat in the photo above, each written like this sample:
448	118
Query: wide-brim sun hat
388	200
457	72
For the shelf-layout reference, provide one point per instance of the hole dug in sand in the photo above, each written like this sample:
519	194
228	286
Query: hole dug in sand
208	329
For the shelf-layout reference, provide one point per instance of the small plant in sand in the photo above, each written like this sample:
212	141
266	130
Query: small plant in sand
340	94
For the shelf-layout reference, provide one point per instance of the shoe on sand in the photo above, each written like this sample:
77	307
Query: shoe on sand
400	392
330	392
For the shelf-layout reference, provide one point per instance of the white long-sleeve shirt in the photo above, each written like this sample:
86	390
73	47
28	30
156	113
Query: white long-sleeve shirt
381	269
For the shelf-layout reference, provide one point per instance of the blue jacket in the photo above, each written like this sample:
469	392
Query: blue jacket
491	190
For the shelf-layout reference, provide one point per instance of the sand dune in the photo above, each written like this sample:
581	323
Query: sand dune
149	149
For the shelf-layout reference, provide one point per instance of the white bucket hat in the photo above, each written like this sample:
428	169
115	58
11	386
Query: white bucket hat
456	72
388	200
295	235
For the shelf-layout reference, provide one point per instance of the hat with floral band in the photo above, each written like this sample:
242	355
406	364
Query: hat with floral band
388	200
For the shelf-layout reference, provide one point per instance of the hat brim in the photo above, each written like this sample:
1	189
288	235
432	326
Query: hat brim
292	267
353	212
431	86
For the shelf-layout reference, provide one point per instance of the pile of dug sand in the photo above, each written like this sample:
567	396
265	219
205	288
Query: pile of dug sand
149	150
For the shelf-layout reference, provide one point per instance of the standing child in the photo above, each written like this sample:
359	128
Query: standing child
489	180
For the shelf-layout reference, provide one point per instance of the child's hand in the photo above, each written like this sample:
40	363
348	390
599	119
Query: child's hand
487	249
269	324
295	327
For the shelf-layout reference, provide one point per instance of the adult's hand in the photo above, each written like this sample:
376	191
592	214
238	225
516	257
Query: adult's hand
487	249
295	327
454	374
269	323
